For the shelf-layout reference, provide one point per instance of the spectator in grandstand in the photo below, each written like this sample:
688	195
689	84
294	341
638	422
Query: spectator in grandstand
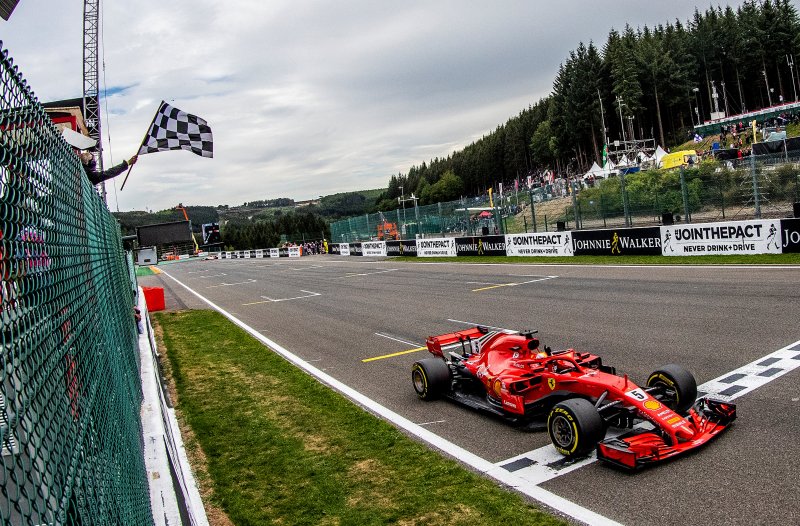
96	176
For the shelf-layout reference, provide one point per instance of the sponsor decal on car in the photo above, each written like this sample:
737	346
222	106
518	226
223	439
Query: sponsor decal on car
551	383
652	405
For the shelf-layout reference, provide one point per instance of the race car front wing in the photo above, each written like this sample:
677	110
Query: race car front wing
638	449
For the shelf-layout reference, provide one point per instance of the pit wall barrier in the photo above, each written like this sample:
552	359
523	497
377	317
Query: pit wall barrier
760	236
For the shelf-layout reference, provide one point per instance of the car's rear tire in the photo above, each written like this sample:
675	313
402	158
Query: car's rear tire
575	427
431	378
678	388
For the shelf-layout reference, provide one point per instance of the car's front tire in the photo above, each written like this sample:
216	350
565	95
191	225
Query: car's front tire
677	387
575	427
431	378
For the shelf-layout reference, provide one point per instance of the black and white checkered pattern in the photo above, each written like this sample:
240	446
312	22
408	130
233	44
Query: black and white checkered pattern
173	129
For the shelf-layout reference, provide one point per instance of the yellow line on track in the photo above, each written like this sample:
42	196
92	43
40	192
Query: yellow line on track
365	360
495	286
155	269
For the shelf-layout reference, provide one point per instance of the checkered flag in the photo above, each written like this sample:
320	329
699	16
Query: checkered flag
173	129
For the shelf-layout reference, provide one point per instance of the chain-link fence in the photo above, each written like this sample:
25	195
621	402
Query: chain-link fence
70	395
755	187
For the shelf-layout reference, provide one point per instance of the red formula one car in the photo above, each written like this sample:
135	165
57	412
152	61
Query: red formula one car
571	394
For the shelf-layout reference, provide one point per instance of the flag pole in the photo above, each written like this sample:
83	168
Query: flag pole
126	178
144	140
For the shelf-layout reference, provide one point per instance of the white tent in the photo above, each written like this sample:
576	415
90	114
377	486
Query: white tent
660	152
594	170
609	166
624	161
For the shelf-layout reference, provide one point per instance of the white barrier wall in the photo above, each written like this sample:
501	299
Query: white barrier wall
294	252
344	249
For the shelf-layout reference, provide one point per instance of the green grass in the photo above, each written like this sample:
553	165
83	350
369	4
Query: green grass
281	448
143	271
755	259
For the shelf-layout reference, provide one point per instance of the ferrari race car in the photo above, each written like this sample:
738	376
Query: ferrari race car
571	394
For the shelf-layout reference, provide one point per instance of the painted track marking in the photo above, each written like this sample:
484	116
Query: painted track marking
308	294
514	284
499	474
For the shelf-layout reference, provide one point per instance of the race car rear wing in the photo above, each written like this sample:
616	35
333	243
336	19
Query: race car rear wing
467	341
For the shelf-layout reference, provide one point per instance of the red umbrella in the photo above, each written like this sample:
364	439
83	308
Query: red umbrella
485	213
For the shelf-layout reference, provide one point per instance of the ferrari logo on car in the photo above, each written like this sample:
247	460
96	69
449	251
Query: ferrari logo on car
551	383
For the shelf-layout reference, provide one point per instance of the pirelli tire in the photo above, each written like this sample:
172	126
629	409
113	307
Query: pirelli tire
431	378
678	388
575	427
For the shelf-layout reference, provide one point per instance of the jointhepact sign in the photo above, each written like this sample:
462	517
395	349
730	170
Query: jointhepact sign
740	237
374	248
544	244
790	235
440	247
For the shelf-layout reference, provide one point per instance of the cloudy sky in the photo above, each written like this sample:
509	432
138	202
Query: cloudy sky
308	98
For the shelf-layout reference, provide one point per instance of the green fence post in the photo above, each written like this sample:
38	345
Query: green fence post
441	225
467	229
400	224
756	196
533	211
546	228
625	209
575	206
687	218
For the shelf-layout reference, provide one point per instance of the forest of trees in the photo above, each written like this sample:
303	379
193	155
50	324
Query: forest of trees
649	74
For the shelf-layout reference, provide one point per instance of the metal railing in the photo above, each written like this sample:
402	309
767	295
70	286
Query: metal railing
750	188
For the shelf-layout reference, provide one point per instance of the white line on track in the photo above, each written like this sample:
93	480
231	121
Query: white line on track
369	273
501	475
309	294
578	265
433	422
397	339
231	284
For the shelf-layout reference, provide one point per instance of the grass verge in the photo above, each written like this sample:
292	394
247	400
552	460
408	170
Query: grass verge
143	271
281	448
755	259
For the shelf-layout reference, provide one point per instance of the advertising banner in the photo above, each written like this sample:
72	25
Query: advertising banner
539	244
237	254
356	250
481	246
437	247
247	254
790	235
408	247
734	237
394	248
274	253
294	252
260	253
283	252
374	248
344	249
618	242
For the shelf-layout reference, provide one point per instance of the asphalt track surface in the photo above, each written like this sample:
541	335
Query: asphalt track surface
335	312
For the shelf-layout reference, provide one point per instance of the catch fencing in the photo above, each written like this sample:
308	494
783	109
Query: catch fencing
751	188
70	394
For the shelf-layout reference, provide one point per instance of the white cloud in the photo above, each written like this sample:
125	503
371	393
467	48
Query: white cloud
308	98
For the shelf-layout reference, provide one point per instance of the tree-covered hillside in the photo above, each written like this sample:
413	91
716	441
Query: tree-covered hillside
660	79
